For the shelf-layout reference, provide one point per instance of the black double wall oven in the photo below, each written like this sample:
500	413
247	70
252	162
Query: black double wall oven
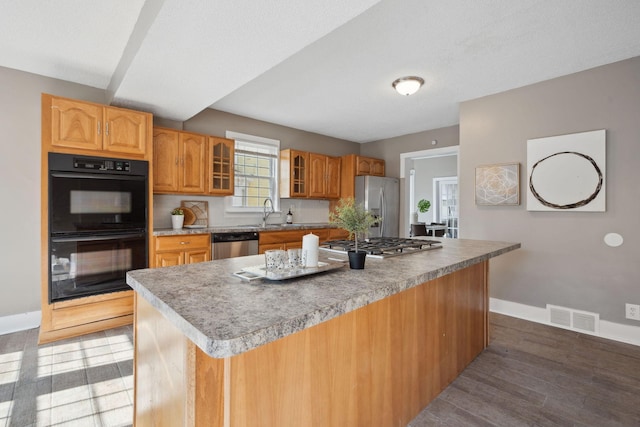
97	224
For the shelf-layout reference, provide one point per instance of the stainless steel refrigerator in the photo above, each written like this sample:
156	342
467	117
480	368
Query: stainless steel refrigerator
381	196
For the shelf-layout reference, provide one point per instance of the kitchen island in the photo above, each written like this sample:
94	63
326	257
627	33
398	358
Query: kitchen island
341	348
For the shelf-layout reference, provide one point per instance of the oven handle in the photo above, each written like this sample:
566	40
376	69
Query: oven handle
95	238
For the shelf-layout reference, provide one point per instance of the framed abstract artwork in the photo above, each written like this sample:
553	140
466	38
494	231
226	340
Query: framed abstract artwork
498	184
567	172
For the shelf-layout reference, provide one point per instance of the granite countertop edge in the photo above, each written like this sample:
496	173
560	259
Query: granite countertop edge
221	348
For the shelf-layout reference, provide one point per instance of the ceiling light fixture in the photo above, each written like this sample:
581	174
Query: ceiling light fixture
407	85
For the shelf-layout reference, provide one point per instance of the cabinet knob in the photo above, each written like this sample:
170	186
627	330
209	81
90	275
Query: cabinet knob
184	243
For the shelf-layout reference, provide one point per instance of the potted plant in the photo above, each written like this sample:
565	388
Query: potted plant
356	220
177	218
424	205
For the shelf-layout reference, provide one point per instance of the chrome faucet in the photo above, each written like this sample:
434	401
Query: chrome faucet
265	214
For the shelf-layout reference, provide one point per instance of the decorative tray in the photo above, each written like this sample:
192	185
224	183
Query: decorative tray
259	271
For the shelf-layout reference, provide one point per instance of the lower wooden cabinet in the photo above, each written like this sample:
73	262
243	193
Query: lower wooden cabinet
81	316
291	239
181	249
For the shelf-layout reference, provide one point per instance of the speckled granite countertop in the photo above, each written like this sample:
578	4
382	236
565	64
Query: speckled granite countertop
225	316
239	228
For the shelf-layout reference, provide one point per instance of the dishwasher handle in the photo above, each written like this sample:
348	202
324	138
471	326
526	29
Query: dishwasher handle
234	237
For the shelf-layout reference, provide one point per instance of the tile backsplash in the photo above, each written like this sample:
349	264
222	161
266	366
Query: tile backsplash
304	211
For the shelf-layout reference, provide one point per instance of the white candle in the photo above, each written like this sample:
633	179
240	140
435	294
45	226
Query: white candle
310	245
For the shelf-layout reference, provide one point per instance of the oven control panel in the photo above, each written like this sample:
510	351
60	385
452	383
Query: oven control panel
101	164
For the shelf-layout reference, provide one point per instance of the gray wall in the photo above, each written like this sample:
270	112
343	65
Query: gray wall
391	148
563	260
214	122
20	188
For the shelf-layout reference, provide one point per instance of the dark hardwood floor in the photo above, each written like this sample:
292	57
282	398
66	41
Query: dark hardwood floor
530	375
537	375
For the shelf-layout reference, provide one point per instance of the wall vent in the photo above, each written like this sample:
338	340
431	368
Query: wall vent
576	320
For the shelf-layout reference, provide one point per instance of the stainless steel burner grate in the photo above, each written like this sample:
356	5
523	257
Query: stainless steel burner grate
382	247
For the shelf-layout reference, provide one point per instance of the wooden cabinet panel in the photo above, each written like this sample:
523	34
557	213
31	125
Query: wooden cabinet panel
338	234
182	242
363	167
354	165
80	316
317	175
186	162
94	127
181	249
125	131
69	315
309	175
324	176
192	257
379	365
169	259
221	164
166	157
179	162
294	174
193	152
369	166
377	167
332	190
75	124
289	239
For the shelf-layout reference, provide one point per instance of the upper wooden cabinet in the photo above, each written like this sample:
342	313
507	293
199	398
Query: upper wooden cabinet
369	166
86	126
179	162
324	176
354	165
221	156
186	162
294	174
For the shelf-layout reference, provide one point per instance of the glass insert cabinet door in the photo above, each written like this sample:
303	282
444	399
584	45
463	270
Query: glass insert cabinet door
299	175
221	162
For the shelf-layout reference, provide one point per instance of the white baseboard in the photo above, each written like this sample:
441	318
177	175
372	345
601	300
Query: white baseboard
20	322
609	330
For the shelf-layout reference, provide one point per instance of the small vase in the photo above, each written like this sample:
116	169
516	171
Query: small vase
177	221
414	218
356	259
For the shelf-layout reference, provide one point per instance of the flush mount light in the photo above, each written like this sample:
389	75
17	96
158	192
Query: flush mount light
407	85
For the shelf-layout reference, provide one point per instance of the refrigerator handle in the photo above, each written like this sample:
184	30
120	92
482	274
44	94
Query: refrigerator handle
382	211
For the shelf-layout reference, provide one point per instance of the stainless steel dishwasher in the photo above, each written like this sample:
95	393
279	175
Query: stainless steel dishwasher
231	245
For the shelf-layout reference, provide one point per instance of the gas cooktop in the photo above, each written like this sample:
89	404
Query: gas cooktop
382	247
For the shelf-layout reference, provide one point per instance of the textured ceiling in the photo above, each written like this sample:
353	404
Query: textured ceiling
324	67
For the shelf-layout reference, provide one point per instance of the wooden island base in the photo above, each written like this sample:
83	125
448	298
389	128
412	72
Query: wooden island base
379	365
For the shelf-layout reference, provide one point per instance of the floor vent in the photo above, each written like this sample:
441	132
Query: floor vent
576	320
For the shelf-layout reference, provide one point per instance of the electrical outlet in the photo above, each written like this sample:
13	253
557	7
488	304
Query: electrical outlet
632	311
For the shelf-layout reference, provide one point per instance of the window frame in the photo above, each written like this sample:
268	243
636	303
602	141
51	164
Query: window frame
265	142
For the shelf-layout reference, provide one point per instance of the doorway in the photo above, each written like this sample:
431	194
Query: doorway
432	175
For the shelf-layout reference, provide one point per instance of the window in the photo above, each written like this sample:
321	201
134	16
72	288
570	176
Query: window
256	172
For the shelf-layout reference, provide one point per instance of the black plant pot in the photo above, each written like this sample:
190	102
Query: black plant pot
356	259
